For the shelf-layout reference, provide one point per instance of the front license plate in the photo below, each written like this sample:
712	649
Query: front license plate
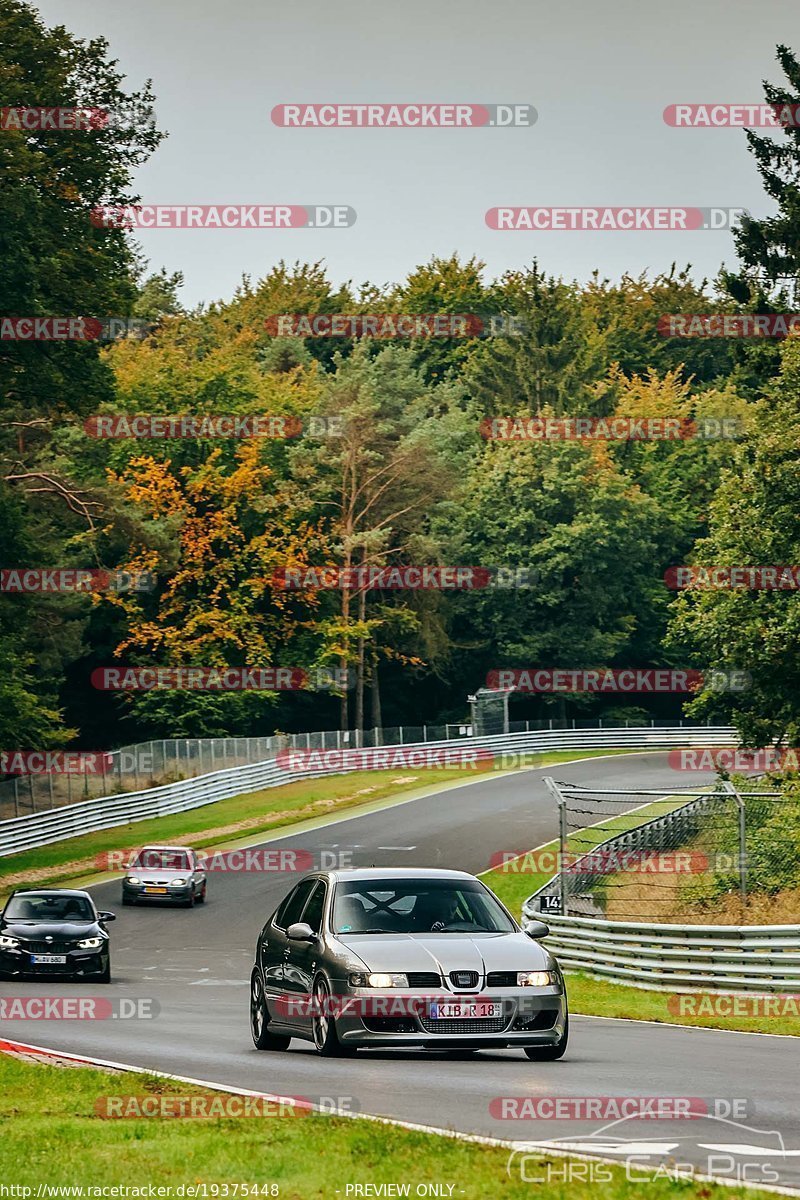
156	891
48	958
466	1010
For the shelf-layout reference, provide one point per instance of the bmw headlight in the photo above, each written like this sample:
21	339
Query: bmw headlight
378	979
92	943
8	943
178	882
133	879
536	978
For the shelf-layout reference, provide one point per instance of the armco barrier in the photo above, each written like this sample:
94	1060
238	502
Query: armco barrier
677	958
40	829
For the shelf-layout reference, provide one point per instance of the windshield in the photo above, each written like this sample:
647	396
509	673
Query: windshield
49	908
161	860
417	906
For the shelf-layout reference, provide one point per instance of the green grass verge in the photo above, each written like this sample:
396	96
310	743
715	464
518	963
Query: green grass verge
263	811
50	1134
601	998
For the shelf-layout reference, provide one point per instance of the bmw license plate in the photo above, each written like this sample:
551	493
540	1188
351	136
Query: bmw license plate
465	1010
48	958
156	891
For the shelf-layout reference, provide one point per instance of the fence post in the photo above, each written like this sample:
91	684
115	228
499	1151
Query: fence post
561	801
732	791
16	795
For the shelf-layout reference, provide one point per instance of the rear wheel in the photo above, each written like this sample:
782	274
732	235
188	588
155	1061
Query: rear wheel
550	1053
323	1025
259	1019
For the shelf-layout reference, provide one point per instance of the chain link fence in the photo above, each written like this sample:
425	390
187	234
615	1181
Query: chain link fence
167	760
642	855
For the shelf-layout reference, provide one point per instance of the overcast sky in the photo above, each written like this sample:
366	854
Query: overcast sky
598	74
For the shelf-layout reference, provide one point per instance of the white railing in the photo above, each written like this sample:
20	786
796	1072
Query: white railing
677	958
72	820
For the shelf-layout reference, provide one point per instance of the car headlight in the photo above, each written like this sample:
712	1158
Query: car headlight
8	943
178	883
133	879
90	943
536	978
378	979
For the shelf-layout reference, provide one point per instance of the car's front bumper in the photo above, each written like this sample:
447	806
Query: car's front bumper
374	1017
172	895
78	963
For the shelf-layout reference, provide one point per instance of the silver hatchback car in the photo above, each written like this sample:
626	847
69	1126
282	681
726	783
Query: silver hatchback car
404	958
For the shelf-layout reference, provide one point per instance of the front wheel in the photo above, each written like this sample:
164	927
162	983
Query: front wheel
323	1025
106	975
259	1019
550	1053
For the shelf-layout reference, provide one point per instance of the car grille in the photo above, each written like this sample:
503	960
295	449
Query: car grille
424	979
47	947
464	979
501	979
480	1025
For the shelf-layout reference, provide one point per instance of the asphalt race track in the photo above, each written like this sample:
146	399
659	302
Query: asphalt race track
196	965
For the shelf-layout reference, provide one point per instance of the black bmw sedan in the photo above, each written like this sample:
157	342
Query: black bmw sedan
54	932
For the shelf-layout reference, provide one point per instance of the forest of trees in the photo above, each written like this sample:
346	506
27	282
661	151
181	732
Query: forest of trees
404	476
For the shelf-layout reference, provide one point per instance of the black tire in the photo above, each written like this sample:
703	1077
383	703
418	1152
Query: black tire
201	899
190	902
323	1025
106	976
128	901
550	1053
259	1019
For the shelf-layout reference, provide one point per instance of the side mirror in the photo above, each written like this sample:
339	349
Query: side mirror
537	929
300	932
107	916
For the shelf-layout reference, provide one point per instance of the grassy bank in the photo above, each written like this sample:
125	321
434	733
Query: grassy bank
50	1134
514	882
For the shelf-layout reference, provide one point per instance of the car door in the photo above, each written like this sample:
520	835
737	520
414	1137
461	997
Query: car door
275	945
302	958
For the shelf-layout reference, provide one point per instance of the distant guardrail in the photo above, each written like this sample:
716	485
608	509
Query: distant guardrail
72	820
761	958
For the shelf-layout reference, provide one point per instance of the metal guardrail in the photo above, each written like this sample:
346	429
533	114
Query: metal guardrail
678	958
40	829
